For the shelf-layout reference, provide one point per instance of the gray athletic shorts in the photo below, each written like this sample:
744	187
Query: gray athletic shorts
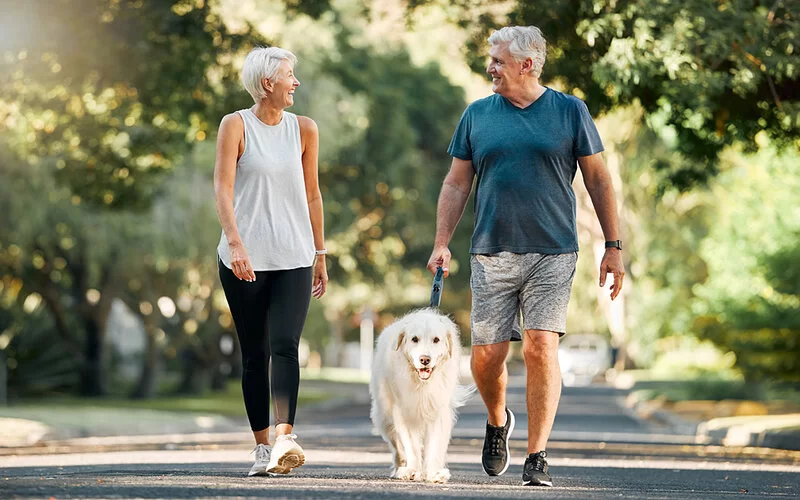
515	292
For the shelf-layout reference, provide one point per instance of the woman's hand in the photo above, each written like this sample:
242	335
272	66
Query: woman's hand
240	263
320	283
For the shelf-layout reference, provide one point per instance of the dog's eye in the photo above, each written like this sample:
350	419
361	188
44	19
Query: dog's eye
415	339
435	340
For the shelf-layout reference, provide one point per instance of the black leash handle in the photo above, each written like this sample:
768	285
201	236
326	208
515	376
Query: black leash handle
436	290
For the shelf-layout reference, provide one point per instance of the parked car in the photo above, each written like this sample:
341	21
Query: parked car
583	357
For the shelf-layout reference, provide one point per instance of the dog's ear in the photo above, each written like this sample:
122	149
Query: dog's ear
449	341
451	338
400	339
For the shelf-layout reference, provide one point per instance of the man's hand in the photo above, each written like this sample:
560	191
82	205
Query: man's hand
612	263
440	258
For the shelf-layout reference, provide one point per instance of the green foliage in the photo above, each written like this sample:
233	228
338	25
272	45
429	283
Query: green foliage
686	358
712	73
702	389
393	175
750	301
664	232
781	268
115	92
381	179
93	116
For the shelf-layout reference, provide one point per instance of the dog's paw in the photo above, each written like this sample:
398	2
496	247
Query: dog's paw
440	476
406	474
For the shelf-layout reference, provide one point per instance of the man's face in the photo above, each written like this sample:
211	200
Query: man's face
505	71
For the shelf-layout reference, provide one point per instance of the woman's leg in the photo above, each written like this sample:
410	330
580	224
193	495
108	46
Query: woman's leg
290	293
249	305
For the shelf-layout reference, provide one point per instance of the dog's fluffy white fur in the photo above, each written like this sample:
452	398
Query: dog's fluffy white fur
415	393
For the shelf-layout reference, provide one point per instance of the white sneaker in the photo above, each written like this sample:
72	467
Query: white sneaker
286	455
259	468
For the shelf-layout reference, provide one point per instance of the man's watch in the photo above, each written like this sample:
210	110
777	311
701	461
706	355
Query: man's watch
614	244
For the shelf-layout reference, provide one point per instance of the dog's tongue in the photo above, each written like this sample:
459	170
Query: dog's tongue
424	373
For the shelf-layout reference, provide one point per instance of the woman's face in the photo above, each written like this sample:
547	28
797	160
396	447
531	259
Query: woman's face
281	88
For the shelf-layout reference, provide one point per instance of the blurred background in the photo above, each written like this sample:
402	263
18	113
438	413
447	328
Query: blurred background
108	118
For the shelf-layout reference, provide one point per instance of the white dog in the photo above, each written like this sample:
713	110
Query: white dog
415	393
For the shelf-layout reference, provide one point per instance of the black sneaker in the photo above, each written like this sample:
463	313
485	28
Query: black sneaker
534	473
495	446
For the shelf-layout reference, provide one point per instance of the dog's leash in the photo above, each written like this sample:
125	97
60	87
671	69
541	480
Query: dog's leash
436	290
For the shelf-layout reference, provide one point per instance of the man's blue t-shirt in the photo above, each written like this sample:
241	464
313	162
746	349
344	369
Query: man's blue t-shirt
525	161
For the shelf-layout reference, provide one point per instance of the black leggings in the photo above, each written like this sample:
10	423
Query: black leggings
269	314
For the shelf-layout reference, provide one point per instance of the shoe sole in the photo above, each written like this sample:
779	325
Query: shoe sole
508	452
287	462
258	472
537	483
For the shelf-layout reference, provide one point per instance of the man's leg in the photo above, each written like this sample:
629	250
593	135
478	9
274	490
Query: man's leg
491	377
540	350
495	287
544	301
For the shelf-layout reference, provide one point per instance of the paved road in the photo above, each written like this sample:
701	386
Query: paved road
598	451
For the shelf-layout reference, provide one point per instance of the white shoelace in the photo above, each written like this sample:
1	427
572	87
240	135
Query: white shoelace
262	452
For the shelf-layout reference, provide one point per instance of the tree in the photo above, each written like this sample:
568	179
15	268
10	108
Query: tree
707	74
750	300
116	91
385	121
389	179
106	103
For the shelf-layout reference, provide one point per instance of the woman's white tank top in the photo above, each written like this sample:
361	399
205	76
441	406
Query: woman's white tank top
269	197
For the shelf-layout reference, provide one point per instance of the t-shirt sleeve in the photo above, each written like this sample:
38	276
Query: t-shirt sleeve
587	139
460	146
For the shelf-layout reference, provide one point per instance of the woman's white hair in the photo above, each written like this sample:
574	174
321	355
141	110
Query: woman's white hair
263	62
523	42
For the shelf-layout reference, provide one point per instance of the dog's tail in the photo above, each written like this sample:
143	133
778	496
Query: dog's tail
462	394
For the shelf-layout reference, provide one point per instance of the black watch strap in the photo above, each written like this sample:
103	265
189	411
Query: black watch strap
614	244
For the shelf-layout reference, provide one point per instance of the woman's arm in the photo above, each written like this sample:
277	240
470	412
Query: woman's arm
309	136
229	148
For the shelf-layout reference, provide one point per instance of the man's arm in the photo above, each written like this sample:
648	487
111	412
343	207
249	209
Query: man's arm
452	200
598	183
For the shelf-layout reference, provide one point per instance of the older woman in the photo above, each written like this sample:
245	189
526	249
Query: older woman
272	252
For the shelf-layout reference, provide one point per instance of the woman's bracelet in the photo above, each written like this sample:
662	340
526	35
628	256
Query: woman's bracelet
321	251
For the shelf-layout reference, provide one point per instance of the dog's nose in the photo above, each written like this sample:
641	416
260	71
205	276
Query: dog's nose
425	360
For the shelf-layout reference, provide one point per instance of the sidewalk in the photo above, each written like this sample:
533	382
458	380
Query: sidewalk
40	429
726	422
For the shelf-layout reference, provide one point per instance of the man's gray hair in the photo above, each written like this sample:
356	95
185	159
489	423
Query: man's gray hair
523	42
263	62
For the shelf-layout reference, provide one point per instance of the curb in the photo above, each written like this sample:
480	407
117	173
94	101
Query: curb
646	411
780	431
787	439
765	431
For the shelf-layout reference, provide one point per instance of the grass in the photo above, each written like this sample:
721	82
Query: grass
710	389
227	403
223	411
334	374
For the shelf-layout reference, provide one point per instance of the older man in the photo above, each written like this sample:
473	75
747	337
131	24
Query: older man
524	144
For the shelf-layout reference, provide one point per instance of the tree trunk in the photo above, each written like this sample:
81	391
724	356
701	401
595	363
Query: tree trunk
333	351
146	386
196	377
93	378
